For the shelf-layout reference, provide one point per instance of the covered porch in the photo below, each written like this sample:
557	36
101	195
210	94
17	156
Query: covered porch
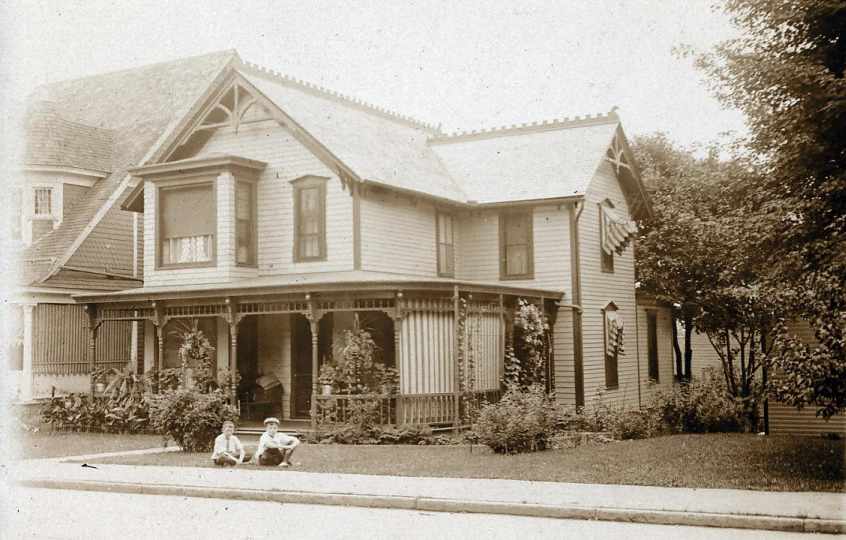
277	332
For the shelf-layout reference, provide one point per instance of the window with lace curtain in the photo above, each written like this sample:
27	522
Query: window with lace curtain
310	219
187	225
43	201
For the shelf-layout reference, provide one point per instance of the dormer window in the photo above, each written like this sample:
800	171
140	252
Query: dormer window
245	211
187	225
310	219
43	202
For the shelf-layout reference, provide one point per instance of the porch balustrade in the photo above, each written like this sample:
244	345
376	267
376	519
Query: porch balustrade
431	409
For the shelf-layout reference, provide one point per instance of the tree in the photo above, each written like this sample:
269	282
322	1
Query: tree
786	73
696	253
669	245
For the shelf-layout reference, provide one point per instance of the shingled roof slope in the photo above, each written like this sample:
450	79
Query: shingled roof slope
54	141
377	145
530	162
139	105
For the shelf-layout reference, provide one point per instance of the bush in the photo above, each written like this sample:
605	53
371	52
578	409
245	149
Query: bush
522	421
701	406
617	420
192	419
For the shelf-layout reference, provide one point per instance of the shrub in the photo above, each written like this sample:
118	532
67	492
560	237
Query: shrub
192	419
75	412
700	406
522	421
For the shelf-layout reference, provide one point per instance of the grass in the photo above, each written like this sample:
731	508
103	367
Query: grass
700	461
47	444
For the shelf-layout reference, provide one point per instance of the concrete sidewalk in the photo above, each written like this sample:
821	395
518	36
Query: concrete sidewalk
780	511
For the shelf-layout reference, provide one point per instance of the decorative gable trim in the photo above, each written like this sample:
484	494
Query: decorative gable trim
621	158
250	100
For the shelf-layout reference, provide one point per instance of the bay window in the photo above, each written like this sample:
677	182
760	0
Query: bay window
245	224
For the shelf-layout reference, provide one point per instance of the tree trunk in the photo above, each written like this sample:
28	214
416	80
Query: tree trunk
688	348
676	348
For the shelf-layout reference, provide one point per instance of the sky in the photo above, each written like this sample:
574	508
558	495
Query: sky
465	65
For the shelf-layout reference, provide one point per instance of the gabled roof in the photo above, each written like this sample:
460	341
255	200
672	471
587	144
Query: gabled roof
53	141
529	162
379	146
138	106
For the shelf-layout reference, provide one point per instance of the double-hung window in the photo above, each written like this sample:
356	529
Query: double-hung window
310	219
187	225
446	244
515	245
245	223
613	326
43	202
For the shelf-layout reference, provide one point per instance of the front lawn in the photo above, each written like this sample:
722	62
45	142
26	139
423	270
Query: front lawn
47	444
701	461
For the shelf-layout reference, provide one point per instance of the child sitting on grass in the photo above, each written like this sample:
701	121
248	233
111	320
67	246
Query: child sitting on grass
228	450
275	448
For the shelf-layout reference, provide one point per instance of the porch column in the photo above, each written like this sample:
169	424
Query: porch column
160	351
233	362
397	317
314	326
456	355
26	380
313	317
91	311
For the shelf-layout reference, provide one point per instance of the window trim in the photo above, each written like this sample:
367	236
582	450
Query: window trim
451	216
611	383
205	181
299	184
253	222
652	346
527	214
51	202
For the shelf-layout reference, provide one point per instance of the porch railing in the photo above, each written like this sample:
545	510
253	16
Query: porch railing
432	409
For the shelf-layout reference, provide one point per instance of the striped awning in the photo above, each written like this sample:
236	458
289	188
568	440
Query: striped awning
617	230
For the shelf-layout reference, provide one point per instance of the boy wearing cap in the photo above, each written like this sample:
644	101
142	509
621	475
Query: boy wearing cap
275	448
228	450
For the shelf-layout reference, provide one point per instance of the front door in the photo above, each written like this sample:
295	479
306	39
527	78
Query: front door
301	378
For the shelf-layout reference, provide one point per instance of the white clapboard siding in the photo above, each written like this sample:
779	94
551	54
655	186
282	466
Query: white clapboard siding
665	351
599	288
398	235
563	359
479	248
287	159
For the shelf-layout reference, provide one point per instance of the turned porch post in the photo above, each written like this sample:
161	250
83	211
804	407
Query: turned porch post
397	316
233	362
456	355
91	311
314	317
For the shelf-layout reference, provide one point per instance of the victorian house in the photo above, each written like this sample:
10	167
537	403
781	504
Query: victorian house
276	213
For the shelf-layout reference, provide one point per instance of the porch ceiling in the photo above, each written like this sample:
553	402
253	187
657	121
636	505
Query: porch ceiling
349	281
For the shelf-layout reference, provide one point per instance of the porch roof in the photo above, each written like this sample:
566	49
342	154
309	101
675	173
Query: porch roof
354	280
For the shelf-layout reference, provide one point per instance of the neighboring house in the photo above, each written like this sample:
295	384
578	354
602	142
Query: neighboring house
71	233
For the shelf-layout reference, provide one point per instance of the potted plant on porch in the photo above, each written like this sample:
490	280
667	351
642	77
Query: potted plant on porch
326	379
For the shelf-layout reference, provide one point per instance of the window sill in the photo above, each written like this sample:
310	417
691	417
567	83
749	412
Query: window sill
517	277
310	260
211	264
615	387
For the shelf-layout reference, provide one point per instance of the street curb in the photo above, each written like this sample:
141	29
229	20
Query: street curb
431	504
